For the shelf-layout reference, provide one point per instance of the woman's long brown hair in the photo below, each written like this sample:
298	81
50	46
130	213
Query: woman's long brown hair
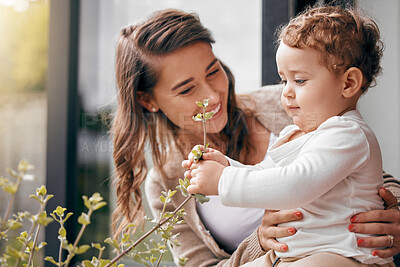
133	126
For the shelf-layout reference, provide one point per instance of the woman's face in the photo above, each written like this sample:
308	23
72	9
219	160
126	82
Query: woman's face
191	74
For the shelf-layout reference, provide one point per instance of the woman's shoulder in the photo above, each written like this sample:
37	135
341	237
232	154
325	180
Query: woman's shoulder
266	106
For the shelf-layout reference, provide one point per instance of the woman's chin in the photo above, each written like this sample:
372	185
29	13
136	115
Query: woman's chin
216	126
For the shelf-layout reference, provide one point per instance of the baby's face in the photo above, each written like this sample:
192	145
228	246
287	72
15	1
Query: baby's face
312	93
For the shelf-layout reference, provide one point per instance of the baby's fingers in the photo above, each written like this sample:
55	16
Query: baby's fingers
188	174
193	189
186	164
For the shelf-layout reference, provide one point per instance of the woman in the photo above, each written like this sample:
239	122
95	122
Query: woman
163	66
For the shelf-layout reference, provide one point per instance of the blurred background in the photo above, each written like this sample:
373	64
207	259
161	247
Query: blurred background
57	83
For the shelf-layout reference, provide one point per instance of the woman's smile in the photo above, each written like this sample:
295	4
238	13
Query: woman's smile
217	112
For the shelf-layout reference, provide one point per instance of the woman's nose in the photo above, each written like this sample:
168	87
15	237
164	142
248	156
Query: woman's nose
212	94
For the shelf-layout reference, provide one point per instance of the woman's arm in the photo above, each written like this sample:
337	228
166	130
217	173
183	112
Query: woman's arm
198	245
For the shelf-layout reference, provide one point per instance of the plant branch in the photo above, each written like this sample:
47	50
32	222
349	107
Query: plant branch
33	246
162	253
10	203
78	238
115	259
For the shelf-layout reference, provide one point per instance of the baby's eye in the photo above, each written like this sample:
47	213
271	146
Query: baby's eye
300	81
283	82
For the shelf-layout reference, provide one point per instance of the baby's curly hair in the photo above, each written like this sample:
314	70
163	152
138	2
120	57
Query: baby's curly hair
342	36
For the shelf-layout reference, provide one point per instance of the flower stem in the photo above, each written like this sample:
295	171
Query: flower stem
162	222
72	254
33	246
10	203
162	254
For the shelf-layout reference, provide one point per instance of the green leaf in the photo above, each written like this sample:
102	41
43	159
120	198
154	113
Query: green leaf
24	166
35	197
198	117
125	238
205	102
62	232
50	259
171	193
201	198
208	115
182	261
68	215
87	263
86	202
48	197
112	242
59	211
82	249
95	198
162	198
15	225
41	191
84	219
97	246
43	219
131	225
168	214
200	104
10	188
12	172
99	205
41	245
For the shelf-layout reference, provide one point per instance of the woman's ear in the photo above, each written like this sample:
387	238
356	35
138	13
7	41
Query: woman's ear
146	101
353	79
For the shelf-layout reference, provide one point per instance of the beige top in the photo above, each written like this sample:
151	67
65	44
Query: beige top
197	244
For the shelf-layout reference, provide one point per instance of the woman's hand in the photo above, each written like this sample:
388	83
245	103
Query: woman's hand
379	222
269	230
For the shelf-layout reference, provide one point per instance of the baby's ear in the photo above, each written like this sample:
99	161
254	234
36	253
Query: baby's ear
353	79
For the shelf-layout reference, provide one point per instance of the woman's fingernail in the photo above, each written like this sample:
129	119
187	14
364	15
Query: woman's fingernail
292	230
354	219
351	227
284	247
360	242
298	214
374	253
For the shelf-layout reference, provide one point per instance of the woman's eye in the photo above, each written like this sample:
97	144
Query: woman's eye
213	73
283	82
184	92
300	81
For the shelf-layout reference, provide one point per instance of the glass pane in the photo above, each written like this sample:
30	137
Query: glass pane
100	23
23	102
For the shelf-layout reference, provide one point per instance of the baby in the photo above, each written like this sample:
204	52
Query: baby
329	162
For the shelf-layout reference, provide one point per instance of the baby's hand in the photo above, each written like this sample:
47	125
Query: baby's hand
210	154
205	177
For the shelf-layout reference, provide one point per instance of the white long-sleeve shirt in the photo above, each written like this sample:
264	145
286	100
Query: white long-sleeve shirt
329	174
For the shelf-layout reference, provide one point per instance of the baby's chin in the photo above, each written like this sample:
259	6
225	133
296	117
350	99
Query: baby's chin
305	127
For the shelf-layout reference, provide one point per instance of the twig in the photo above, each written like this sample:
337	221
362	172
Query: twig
147	234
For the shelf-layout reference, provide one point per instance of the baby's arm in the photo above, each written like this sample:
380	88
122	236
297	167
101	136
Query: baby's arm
316	170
